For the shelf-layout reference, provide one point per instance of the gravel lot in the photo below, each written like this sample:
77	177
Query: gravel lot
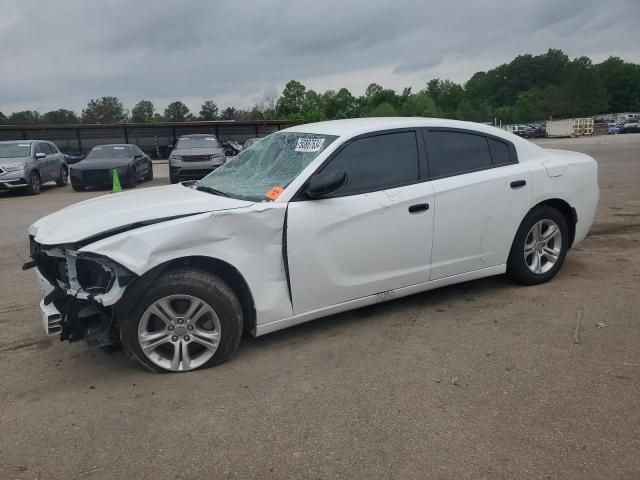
480	380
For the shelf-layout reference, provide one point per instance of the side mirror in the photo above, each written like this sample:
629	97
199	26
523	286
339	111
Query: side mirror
324	184
40	155
137	156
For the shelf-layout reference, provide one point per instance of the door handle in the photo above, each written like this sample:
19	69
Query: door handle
518	183
419	207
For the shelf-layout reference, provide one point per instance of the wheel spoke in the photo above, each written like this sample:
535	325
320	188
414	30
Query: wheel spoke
149	342
195	311
529	249
537	231
208	340
551	232
186	357
551	254
163	310
175	360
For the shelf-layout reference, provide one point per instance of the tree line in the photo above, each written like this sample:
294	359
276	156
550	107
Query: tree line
529	88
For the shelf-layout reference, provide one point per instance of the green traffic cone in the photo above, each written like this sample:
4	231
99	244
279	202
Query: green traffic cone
116	182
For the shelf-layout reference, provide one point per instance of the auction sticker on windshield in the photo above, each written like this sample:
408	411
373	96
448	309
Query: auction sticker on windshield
309	144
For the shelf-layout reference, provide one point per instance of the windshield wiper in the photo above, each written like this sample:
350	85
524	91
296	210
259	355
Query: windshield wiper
204	188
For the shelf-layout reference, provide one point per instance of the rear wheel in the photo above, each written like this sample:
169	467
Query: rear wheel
540	246
186	320
63	179
34	186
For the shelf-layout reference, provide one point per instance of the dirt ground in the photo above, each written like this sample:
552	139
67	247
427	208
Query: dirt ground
479	380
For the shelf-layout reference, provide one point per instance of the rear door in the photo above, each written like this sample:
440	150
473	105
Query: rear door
373	235
481	193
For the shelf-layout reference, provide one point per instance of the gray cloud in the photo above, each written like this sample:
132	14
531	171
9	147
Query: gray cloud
62	53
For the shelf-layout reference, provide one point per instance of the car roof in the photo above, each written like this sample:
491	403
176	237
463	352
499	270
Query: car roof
197	135
115	145
358	126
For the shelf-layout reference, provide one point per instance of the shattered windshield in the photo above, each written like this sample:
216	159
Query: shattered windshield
269	164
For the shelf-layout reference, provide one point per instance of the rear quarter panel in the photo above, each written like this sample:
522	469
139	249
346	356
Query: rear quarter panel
572	177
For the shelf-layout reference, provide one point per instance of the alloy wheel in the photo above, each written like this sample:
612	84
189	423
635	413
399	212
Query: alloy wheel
179	332
542	246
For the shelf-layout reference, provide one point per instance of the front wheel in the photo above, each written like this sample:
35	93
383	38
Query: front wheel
34	186
63	179
540	246
132	179
149	175
188	319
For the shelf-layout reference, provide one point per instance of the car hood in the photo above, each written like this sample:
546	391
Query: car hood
102	163
197	151
115	213
14	160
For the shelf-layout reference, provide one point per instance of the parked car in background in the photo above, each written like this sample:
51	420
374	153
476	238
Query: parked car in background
73	157
96	170
194	157
313	220
250	142
231	148
519	129
27	164
631	125
614	128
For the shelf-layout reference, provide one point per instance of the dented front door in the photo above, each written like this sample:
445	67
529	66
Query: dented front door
341	249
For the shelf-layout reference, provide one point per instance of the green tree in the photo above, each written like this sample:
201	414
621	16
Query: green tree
229	113
209	111
104	110
142	112
25	117
446	94
3	118
60	116
418	105
339	105
622	83
291	103
383	110
176	112
313	110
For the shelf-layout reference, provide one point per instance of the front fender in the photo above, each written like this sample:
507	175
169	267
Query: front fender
250	239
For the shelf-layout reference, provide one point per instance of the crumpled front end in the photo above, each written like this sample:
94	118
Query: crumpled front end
79	290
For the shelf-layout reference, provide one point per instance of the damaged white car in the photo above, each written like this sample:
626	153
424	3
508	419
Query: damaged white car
310	221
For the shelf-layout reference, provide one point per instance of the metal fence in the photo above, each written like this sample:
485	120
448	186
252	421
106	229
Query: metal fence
154	138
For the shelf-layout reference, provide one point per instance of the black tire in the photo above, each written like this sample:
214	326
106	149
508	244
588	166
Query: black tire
78	188
149	175
173	178
34	186
197	283
63	179
132	179
517	265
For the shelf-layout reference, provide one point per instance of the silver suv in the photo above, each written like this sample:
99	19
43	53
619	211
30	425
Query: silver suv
194	157
27	164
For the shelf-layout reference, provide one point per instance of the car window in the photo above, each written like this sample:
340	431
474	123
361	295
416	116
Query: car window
500	153
377	163
52	147
39	148
453	153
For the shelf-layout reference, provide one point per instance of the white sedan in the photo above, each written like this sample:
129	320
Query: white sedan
310	221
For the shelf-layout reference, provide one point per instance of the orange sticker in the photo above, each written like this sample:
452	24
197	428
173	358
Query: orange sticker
273	193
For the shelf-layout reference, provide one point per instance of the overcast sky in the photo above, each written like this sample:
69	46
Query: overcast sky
60	54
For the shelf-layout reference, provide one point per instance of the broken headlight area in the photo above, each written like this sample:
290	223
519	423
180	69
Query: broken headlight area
83	287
